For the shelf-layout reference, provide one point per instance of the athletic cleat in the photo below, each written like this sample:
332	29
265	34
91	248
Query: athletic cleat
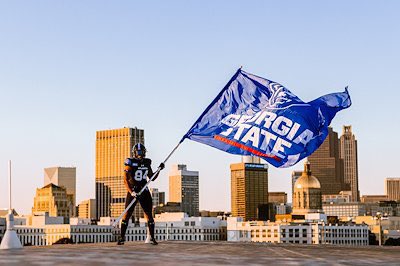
153	241
120	241
150	240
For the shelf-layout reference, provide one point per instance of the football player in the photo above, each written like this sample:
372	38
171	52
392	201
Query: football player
137	171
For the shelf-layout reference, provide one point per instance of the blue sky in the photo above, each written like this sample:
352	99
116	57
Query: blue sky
70	68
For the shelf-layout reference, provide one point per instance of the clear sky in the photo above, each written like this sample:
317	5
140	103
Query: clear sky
70	68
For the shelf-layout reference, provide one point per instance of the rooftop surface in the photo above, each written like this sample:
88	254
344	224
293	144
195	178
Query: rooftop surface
200	253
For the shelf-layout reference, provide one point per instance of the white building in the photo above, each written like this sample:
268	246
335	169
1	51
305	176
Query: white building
346	209
299	233
45	230
343	196
50	234
2	227
41	230
79	233
178	226
281	208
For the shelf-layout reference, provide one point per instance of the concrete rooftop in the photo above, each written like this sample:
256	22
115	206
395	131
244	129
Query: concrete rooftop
200	253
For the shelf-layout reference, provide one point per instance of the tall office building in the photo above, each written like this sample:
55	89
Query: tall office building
249	190
52	199
184	188
392	188
161	197
348	152
112	148
63	177
87	209
155	195
328	166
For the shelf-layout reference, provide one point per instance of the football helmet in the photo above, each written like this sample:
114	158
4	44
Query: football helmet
139	150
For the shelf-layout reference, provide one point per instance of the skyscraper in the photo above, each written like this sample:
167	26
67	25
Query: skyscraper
161	197
87	209
63	177
328	166
112	148
155	195
184	188
348	152
52	199
249	190
392	188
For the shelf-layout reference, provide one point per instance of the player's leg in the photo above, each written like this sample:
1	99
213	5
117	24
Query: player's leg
125	219
147	204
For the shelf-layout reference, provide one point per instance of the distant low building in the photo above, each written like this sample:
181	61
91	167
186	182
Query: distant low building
4	212
205	213
282	209
343	196
42	229
169	207
373	198
346	209
277	197
51	234
387	225
41	219
389	208
180	227
2	227
297	233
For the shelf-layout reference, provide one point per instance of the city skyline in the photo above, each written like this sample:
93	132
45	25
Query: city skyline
171	168
96	65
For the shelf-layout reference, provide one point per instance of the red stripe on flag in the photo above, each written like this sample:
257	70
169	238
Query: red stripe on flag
246	148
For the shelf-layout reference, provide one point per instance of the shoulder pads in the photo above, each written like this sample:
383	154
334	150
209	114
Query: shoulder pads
132	162
128	162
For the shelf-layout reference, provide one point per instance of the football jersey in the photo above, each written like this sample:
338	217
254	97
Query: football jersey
138	171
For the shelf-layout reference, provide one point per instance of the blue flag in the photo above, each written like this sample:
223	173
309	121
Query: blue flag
259	117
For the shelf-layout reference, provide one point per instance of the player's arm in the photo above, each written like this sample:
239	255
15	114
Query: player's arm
127	172
151	170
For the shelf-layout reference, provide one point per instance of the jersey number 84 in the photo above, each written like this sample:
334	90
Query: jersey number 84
140	175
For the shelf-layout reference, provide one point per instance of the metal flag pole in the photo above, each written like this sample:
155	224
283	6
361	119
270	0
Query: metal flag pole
10	239
145	186
9	187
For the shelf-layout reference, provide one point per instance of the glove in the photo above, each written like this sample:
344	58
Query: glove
162	166
133	194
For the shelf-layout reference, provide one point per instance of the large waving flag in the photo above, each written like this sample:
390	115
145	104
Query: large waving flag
259	117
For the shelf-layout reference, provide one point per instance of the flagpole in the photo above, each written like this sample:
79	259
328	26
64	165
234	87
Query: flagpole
9	186
10	239
146	185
